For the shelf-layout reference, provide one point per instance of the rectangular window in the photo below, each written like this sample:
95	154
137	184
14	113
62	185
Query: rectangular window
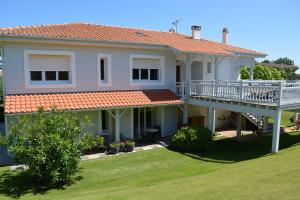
102	72
63	75
144	74
154	74
209	67
50	75
135	74
35	75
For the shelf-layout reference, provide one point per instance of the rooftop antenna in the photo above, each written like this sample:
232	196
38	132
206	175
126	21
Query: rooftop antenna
175	24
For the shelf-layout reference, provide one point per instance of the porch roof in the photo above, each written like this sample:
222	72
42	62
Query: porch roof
89	100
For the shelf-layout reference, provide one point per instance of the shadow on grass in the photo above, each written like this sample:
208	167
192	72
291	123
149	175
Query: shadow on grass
229	150
15	184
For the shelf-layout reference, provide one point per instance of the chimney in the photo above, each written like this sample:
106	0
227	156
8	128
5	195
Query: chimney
225	35
196	32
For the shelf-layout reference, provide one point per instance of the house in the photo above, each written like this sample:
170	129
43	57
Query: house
128	80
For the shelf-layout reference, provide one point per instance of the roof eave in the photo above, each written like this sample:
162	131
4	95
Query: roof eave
29	38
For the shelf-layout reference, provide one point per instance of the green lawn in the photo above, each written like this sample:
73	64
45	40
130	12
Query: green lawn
285	118
233	170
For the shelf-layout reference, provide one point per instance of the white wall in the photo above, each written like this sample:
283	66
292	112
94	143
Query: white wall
229	69
86	68
197	70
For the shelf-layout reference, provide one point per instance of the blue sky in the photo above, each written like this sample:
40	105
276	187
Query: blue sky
271	26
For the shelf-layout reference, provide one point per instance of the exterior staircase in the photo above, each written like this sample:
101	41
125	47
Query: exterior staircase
256	120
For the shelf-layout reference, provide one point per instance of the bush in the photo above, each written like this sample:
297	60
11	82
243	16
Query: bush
93	143
50	144
192	139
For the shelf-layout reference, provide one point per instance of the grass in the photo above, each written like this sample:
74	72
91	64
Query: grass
285	119
233	170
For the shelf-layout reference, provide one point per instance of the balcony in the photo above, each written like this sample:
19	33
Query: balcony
268	93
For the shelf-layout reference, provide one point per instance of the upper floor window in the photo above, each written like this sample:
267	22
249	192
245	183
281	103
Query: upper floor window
146	70
104	69
209	67
49	69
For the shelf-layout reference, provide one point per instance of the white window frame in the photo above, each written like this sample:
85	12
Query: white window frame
99	81
161	71
49	84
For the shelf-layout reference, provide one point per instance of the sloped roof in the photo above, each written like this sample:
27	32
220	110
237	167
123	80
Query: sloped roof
89	100
95	32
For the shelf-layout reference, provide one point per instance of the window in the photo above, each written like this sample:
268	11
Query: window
209	67
154	74
146	69
49	69
36	75
104	69
144	74
50	76
135	74
63	75
57	76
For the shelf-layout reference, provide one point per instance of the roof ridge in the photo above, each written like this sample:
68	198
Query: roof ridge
88	23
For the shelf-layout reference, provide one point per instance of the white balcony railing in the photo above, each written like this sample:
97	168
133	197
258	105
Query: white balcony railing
260	92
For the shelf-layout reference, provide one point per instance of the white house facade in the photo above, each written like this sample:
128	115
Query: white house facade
131	80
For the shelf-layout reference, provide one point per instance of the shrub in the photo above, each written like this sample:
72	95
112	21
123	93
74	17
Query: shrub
114	148
192	139
49	143
93	142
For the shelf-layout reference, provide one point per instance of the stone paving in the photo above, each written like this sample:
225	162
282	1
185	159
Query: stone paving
137	149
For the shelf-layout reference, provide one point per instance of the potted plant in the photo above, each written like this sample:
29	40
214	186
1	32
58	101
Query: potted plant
114	148
122	146
130	145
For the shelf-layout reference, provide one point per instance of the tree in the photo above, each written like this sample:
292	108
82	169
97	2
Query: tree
266	61
286	61
50	144
264	73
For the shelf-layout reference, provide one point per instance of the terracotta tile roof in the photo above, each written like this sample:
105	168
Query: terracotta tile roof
89	100
85	31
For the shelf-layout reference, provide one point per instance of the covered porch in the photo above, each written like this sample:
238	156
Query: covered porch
116	115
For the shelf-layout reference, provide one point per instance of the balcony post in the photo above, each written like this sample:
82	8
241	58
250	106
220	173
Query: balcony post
280	93
188	75
182	89
251	73
276	132
241	90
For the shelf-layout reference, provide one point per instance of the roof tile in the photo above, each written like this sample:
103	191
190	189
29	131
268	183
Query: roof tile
89	100
131	35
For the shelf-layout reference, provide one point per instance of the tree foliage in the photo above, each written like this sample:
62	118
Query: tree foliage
286	61
50	144
268	73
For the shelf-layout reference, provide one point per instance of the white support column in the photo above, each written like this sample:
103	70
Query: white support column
162	118
251	73
185	114
117	126
276	132
188	74
239	126
211	119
